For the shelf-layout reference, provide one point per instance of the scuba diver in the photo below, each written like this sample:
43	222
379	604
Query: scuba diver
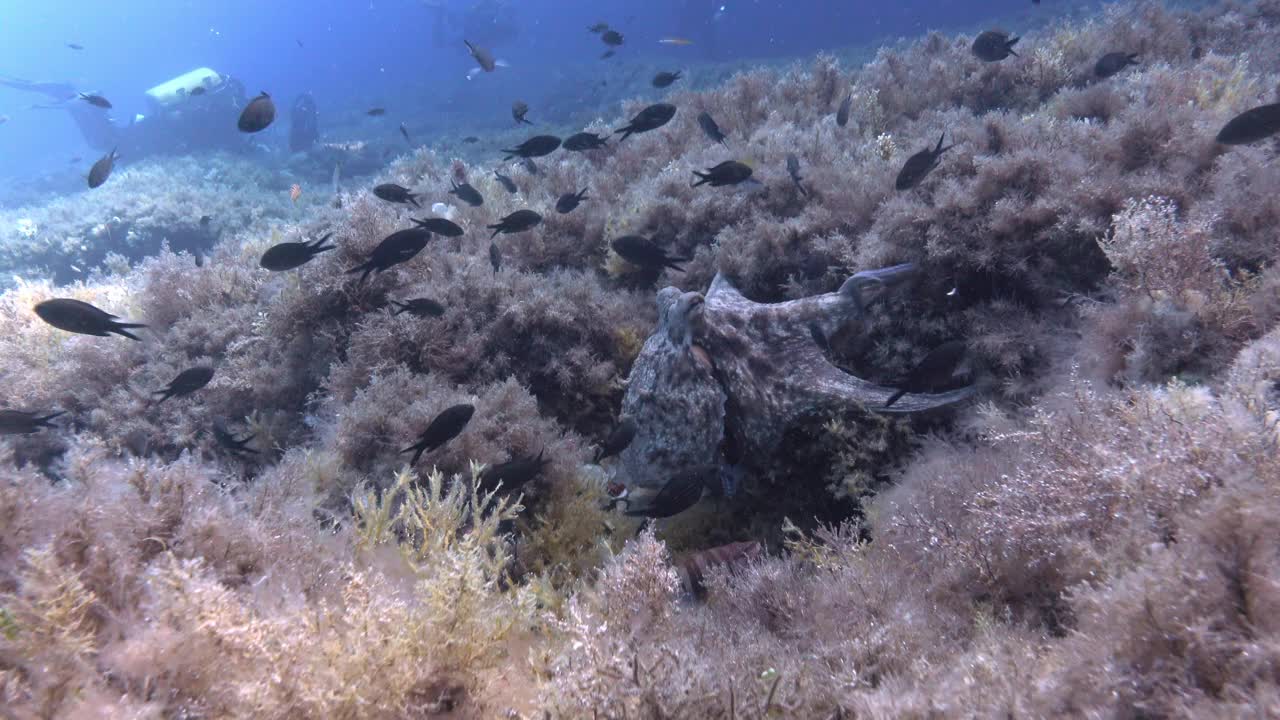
193	111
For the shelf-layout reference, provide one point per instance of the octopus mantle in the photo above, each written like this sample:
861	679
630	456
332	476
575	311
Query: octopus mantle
721	365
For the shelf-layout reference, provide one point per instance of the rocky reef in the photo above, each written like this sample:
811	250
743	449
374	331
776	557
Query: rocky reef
1095	535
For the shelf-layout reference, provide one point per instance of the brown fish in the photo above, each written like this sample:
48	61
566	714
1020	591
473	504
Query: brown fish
444	427
518	221
994	46
80	317
1112	63
918	166
732	556
664	79
1251	125
483	57
842	115
187	382
20	422
101	170
96	100
518	110
257	115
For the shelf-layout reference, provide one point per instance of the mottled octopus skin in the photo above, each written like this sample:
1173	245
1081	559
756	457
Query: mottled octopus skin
726	362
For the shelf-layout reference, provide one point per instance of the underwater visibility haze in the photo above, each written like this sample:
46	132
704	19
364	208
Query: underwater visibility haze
682	359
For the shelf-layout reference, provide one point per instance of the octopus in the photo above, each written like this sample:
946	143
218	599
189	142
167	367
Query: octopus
720	367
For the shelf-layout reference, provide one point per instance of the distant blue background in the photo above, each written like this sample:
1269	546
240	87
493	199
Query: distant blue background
358	54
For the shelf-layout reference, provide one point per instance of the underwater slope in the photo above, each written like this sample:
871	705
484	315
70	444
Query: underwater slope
1096	537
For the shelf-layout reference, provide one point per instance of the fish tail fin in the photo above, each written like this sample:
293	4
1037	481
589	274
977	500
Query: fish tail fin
526	122
1009	46
120	328
676	263
583	195
44	421
894	397
495	234
418	450
319	246
703	178
164	395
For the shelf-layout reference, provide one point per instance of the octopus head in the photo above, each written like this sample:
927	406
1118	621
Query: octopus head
680	315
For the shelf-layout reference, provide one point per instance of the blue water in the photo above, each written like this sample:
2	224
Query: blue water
357	54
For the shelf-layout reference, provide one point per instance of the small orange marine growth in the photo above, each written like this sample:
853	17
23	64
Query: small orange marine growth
295	192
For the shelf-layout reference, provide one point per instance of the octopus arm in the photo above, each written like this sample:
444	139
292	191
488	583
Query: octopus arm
826	313
831	386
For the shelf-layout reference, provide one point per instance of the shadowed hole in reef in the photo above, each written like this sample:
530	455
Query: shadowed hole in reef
67	265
